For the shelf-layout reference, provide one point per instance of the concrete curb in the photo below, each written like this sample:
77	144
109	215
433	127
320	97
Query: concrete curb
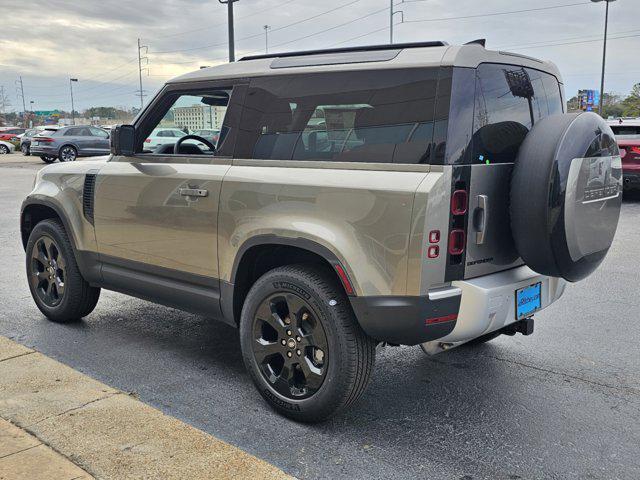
107	432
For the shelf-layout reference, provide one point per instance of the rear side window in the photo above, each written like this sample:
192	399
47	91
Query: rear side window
622	130
73	132
385	116
508	102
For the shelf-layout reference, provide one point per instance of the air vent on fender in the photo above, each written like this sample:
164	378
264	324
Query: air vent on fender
88	194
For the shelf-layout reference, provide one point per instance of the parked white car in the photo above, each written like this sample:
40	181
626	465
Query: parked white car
168	135
6	147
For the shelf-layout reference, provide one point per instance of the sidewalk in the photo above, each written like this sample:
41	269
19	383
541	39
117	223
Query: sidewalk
87	429
23	456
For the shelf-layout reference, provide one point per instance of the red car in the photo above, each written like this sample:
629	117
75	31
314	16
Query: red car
11	133
627	133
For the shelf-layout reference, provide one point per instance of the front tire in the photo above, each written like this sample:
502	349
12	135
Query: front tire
4	150
47	158
55	282
302	344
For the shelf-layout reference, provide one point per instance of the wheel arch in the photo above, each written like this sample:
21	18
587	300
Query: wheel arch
262	253
34	211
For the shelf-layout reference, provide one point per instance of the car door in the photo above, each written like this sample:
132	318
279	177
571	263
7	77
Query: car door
156	217
99	141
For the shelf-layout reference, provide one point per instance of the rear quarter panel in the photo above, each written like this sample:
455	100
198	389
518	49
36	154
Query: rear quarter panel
362	213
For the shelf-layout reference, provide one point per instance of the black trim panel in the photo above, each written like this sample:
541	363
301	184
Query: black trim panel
189	292
403	320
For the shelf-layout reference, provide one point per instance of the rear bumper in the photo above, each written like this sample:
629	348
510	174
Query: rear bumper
43	150
454	314
488	303
408	320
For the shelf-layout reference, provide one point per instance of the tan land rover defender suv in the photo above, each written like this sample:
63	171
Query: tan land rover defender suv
415	194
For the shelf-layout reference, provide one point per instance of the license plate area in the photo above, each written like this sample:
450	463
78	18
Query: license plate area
528	300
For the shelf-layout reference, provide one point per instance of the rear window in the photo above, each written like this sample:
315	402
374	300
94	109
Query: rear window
385	116
628	130
508	102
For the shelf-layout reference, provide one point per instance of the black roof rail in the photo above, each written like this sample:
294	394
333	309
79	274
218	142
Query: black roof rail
366	48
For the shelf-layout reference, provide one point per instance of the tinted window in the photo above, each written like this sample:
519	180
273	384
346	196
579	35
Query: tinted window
626	129
383	116
97	132
509	100
73	132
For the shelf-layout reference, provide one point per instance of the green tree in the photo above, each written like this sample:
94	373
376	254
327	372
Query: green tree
631	104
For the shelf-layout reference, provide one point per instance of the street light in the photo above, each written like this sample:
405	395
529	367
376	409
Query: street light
604	51
73	115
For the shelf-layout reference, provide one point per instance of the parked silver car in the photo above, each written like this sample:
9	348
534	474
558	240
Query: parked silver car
69	143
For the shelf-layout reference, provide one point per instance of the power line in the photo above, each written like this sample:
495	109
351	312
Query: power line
224	23
497	13
260	34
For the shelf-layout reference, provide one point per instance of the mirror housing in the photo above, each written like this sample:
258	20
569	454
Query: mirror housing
123	140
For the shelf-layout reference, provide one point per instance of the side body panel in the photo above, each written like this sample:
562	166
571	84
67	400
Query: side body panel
143	215
363	216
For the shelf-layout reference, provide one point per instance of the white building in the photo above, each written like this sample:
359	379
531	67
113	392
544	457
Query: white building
199	117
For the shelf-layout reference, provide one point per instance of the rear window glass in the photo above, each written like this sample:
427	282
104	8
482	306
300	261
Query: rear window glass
385	116
622	130
509	100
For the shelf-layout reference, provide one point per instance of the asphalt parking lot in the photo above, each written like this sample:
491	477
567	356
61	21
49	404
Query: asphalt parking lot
562	403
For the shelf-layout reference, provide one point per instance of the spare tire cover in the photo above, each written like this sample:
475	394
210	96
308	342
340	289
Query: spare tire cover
566	194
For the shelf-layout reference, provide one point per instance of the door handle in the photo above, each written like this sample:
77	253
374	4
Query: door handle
193	192
481	218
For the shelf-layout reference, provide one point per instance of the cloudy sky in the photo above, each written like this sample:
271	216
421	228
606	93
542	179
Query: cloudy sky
48	41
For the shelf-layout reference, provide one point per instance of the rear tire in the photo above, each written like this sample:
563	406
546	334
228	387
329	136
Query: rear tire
47	158
4	150
55	282
306	308
68	154
25	150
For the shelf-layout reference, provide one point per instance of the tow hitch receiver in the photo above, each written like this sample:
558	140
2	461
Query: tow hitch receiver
524	326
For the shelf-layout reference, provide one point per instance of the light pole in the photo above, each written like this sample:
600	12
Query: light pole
391	14
73	114
266	38
604	51
232	49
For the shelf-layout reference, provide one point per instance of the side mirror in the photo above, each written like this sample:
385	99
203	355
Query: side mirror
123	140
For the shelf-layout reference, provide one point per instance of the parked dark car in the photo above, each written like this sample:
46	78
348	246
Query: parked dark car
627	132
69	143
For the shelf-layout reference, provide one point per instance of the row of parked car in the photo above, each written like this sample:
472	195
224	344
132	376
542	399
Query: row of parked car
53	143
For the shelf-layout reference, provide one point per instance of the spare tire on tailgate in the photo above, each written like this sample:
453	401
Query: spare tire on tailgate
566	194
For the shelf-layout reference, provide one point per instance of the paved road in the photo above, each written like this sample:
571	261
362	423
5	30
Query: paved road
562	403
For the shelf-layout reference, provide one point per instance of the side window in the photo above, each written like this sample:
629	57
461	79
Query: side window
344	116
72	132
97	132
509	100
185	114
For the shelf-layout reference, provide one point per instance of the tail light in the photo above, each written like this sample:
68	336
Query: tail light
635	150
45	139
148	140
458	224
456	241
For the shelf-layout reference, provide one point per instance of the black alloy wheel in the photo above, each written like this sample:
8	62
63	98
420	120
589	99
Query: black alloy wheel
48	271
290	345
25	150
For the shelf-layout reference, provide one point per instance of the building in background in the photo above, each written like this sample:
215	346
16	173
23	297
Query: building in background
199	117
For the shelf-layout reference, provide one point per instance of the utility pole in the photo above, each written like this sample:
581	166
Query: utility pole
73	112
266	38
20	85
604	51
140	68
232	48
391	14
